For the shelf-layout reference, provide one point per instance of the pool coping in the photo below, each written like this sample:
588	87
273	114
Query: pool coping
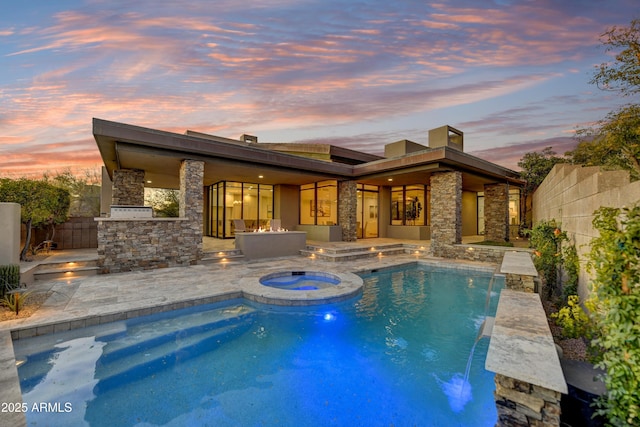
37	325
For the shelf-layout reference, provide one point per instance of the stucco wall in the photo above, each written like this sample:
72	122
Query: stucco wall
570	194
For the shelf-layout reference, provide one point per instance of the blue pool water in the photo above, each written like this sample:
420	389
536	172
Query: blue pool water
395	356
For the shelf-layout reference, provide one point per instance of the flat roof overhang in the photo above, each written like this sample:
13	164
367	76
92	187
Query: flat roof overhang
160	153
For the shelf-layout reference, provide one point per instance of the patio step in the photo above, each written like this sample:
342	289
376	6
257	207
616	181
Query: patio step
353	252
230	255
63	270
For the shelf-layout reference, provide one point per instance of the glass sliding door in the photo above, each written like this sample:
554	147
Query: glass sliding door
252	203
367	215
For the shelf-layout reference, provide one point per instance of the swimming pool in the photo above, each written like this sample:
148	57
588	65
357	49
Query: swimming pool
396	355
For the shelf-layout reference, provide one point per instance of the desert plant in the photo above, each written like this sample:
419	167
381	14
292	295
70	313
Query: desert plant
9	278
615	303
14	301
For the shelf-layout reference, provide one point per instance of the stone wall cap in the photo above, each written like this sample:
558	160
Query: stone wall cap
521	345
518	262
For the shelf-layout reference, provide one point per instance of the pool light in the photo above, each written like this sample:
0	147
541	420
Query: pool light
329	317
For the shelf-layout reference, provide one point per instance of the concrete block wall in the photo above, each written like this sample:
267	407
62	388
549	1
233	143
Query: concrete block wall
571	194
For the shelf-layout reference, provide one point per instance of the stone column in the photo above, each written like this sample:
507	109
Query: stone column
347	209
496	212
191	205
191	182
446	210
128	187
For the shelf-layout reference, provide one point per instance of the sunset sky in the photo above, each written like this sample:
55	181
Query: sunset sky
512	75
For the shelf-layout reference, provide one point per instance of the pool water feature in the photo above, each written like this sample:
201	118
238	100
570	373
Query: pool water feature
300	280
396	355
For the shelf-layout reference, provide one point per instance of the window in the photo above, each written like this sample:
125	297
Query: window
319	203
408	205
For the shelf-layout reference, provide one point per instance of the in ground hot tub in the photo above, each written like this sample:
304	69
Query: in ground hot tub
300	280
297	287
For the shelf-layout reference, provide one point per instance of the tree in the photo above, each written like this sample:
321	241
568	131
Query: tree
84	190
41	204
165	202
614	142
622	75
535	168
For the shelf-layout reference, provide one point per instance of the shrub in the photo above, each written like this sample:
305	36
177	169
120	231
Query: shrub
572	318
571	265
615	261
546	238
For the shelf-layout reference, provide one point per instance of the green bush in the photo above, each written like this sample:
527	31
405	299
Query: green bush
572	318
546	238
615	303
9	278
571	265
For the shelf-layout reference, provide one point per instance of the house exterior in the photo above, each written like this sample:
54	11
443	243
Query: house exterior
436	193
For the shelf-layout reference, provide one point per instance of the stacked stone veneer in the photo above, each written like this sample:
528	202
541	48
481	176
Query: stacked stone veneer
521	404
496	212
128	187
141	244
520	282
446	211
480	253
347	209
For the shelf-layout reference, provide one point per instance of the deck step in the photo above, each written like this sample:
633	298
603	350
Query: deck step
63	270
230	255
353	249
353	254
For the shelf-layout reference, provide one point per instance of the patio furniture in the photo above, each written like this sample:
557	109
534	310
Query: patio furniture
239	226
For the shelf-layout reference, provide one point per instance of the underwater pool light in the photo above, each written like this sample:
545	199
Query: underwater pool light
329	317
